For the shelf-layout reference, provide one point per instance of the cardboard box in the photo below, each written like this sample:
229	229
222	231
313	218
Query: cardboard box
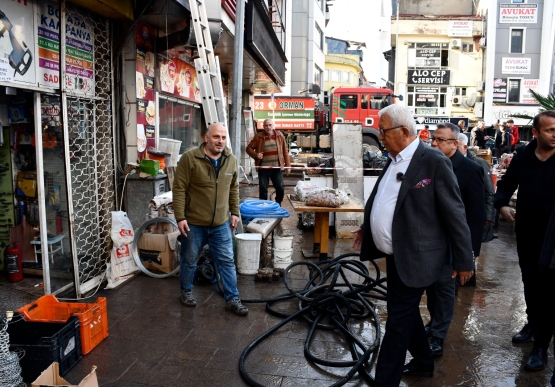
51	377
157	251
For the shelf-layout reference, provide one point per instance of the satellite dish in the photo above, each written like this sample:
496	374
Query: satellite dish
472	100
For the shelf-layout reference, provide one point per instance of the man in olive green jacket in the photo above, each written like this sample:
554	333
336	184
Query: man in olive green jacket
205	191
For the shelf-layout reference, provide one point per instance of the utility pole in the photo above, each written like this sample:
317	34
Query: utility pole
237	92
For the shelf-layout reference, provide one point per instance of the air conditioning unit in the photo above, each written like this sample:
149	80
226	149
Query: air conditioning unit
483	42
480	86
455	43
456	100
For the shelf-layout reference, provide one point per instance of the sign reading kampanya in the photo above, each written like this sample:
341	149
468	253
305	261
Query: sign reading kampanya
518	13
291	113
516	65
527	85
461	28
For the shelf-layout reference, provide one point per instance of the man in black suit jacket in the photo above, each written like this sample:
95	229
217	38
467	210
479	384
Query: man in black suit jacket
414	218
470	178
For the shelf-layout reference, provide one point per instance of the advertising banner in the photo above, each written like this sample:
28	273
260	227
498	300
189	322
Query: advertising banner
516	65
500	90
17	42
144	86
518	13
179	79
460	28
527	85
429	77
288	113
79	49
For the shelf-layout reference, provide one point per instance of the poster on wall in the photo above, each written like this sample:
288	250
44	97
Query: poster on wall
460	28
79	49
500	90
179	79
17	42
518	13
527	85
516	65
144	86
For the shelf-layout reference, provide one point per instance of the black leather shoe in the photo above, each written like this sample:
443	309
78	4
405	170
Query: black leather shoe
526	334
537	360
436	345
414	369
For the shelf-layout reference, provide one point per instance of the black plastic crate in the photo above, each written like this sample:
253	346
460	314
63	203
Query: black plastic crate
45	343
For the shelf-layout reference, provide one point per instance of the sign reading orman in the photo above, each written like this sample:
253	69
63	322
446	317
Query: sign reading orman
288	113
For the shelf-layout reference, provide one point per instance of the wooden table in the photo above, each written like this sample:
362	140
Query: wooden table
321	225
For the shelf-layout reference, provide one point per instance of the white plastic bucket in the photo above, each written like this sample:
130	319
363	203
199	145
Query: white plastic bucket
172	147
282	258
283	242
248	253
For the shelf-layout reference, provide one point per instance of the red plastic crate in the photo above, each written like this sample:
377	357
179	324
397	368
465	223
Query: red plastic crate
93	318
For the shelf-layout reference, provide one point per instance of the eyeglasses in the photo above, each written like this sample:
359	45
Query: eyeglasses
382	131
441	140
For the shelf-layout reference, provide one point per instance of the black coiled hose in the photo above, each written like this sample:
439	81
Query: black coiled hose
330	300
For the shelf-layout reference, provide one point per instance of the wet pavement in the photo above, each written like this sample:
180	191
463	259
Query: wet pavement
155	341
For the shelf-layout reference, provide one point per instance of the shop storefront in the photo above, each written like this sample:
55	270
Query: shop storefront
57	181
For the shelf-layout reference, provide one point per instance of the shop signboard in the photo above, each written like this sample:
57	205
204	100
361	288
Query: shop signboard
428	77
431	120
428	57
460	28
518	13
500	90
288	113
17	43
179	79
144	86
79	49
527	85
504	113
516	65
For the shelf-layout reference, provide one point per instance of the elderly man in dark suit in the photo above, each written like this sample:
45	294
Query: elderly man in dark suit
470	177
414	218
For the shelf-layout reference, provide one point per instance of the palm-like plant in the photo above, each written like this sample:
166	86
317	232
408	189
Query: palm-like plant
546	103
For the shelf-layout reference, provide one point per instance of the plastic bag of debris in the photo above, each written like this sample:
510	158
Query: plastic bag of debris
302	189
327	197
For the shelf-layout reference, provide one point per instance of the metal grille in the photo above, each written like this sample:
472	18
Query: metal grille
91	151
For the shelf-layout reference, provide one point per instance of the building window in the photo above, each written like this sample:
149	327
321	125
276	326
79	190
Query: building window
514	90
317	76
326	75
318	37
348	101
336	76
346	77
426	100
518	1
468	47
428	55
517	40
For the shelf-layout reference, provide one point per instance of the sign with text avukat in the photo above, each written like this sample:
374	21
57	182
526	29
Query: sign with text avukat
288	113
518	13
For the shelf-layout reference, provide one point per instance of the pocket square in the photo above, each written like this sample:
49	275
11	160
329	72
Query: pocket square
422	183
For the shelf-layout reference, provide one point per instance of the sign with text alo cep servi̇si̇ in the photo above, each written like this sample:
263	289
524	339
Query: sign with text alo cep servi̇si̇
428	77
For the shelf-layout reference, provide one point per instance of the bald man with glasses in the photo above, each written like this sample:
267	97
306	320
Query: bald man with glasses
415	219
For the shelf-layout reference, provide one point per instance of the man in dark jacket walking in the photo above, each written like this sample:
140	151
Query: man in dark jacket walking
532	171
269	150
478	136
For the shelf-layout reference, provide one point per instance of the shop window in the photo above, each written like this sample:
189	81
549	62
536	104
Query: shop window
349	101
180	121
428	55
426	100
514	90
517	41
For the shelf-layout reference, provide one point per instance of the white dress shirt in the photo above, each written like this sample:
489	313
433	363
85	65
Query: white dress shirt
383	208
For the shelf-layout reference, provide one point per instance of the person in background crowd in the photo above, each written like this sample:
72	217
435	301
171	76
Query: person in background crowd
478	136
414	217
488	185
424	134
470	179
532	171
462	126
502	140
269	149
205	191
513	129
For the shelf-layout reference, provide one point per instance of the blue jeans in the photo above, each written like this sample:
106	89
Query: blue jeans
274	174
221	247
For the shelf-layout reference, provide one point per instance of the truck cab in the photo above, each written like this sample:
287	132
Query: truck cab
360	105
